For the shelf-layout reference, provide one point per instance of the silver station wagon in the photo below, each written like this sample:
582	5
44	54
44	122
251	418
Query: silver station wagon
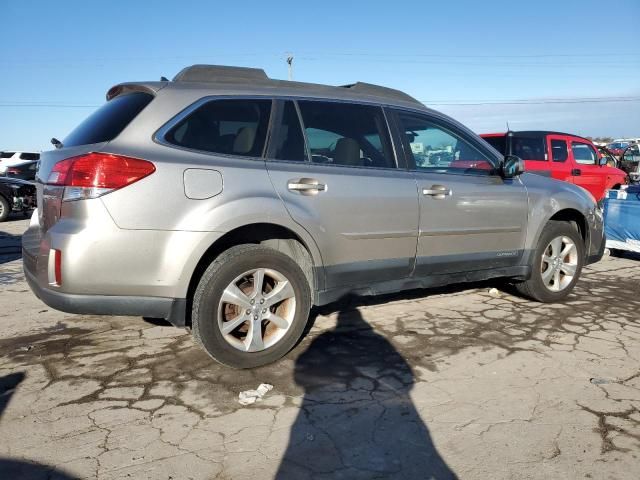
232	203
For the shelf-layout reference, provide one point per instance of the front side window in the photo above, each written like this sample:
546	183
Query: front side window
347	134
230	127
559	150
434	148
584	154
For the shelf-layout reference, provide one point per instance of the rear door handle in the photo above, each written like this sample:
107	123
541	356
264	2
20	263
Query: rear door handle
306	186
439	192
576	172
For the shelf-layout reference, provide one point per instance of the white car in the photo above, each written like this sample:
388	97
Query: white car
11	159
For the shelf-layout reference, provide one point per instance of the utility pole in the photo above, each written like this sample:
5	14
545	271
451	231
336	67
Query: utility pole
290	63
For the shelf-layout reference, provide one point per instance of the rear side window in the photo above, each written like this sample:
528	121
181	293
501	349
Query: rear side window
29	156
347	134
230	127
583	153
108	121
289	142
6	154
528	148
559	150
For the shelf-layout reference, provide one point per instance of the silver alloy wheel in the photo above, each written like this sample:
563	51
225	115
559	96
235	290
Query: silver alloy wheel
559	263
256	310
1	209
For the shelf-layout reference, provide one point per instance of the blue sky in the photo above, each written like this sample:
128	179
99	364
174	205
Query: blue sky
69	53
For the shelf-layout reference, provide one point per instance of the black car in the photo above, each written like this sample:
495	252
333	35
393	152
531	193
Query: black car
16	195
24	171
630	162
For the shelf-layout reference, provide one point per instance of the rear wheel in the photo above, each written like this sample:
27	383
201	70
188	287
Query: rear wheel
5	208
251	306
556	263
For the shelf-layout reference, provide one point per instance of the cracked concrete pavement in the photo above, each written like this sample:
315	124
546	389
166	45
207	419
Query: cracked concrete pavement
439	383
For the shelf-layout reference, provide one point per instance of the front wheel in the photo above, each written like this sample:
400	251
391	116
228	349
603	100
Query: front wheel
251	306
556	264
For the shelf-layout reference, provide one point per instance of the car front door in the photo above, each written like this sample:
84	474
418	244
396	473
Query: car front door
587	172
470	217
333	165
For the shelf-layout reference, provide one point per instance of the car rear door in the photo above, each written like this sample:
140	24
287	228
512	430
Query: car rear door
586	171
333	165
561	164
470	217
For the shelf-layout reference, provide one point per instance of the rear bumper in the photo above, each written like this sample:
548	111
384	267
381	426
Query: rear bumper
171	309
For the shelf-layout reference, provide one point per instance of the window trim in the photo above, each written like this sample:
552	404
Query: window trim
451	129
159	136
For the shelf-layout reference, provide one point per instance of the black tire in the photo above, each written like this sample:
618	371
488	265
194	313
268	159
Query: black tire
5	209
534	288
222	271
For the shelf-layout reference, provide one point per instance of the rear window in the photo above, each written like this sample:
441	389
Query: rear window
497	142
6	154
29	156
108	121
230	127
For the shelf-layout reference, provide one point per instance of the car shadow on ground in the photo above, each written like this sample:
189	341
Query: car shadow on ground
357	419
10	246
19	469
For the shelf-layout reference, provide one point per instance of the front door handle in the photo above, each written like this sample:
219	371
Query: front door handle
306	186
576	172
439	192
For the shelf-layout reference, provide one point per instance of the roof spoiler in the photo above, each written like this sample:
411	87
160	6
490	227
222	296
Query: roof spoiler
219	73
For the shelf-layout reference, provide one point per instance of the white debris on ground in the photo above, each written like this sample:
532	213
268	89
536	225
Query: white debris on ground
252	396
494	292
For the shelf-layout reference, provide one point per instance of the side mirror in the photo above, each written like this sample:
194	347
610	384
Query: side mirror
512	166
602	161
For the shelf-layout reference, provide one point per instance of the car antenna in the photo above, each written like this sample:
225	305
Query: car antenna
508	138
56	143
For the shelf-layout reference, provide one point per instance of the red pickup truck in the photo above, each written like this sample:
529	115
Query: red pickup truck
562	156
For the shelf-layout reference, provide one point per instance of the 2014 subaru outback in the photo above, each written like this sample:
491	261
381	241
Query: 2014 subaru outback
229	202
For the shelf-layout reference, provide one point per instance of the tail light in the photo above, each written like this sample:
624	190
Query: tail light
95	174
12	171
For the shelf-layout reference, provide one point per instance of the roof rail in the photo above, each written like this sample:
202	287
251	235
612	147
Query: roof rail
368	88
219	73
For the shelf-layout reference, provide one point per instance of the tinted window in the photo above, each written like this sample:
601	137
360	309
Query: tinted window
499	143
231	127
528	148
558	150
108	121
434	148
289	141
6	154
346	134
29	156
583	153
